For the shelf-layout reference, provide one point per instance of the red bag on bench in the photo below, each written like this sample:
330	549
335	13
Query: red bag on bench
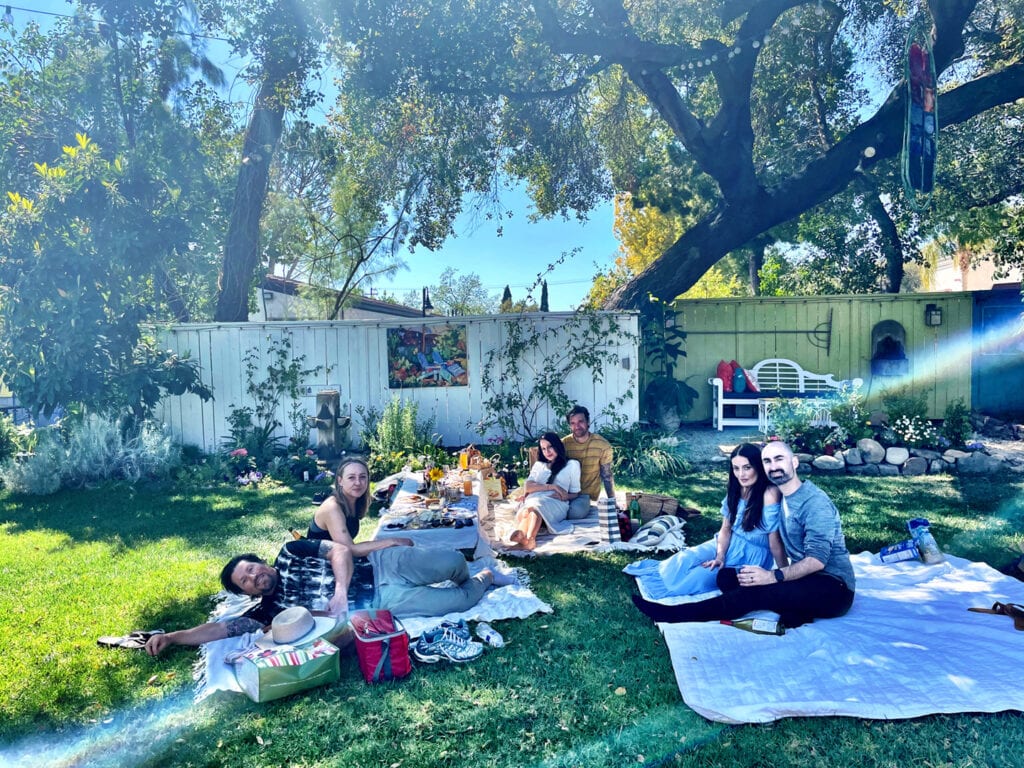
382	645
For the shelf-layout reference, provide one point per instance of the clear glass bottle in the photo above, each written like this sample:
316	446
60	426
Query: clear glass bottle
757	626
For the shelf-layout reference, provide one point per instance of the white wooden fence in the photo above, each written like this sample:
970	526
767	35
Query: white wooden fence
354	359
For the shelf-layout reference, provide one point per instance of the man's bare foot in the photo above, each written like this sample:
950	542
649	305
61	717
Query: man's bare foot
517	536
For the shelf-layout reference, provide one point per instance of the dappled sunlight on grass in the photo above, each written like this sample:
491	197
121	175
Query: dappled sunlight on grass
590	684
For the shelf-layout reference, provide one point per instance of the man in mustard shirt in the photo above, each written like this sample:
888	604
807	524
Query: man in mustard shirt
594	454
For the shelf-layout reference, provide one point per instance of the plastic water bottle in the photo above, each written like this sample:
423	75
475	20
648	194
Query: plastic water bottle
921	533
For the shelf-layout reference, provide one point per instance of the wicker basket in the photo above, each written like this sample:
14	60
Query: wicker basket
654	504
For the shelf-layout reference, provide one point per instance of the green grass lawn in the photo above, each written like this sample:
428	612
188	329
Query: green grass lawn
589	685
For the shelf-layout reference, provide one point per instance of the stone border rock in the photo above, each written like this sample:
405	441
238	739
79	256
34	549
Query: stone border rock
870	458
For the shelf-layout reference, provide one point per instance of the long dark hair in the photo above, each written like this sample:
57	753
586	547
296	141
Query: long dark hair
561	459
755	504
363	502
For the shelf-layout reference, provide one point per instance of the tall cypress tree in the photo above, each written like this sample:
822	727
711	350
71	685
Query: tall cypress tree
544	297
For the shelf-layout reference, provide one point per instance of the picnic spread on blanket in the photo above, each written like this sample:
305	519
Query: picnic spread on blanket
483	522
919	639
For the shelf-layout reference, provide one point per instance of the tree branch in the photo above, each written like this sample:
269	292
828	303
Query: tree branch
731	224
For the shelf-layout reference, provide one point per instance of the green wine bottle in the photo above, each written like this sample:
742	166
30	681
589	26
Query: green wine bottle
758	626
636	519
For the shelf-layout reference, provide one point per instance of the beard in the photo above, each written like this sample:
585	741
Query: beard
779	476
268	584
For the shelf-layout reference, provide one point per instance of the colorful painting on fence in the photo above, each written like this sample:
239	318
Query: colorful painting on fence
427	356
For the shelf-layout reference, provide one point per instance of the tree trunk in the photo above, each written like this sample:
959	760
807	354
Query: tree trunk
241	248
756	262
891	245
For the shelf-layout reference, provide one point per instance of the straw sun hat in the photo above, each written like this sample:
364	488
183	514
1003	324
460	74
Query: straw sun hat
295	626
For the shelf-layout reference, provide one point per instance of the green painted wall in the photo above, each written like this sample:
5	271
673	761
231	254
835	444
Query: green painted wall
752	329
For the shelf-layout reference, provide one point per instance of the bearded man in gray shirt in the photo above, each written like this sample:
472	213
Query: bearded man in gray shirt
818	581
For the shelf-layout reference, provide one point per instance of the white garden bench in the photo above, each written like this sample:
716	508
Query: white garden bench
776	378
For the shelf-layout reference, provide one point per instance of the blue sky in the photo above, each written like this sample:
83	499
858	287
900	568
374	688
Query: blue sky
515	258
520	253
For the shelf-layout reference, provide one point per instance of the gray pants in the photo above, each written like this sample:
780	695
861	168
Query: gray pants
402	577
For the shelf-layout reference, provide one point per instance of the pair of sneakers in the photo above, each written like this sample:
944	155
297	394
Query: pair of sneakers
452	641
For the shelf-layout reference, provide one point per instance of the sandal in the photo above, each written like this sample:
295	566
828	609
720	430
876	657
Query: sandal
133	640
1013	610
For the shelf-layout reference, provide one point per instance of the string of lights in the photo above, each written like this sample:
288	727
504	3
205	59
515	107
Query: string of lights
9	18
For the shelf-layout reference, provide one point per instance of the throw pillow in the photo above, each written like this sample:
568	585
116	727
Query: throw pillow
724	372
739	381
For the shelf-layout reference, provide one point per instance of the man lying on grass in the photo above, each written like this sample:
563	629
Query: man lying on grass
818	583
314	573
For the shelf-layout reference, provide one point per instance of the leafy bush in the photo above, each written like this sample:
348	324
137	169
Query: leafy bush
956	423
639	452
92	449
798	422
38	474
902	403
9	443
396	437
850	414
253	427
398	428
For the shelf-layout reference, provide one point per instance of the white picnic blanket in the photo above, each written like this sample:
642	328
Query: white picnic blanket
584	537
214	673
908	647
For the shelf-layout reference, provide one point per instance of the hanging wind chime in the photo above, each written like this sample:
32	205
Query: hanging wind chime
921	133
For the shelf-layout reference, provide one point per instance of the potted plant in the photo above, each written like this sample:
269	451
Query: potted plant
665	399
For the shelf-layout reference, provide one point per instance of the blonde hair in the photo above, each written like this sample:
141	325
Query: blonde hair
363	502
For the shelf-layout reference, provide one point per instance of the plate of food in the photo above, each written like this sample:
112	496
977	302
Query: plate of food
413	497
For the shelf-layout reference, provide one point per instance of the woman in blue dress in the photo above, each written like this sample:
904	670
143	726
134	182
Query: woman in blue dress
749	535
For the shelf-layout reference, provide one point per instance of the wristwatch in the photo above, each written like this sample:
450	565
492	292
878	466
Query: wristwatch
779	575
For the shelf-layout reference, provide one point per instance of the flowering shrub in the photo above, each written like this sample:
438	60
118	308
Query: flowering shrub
911	431
249	478
302	463
240	463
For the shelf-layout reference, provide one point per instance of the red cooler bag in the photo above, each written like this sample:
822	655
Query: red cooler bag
382	645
